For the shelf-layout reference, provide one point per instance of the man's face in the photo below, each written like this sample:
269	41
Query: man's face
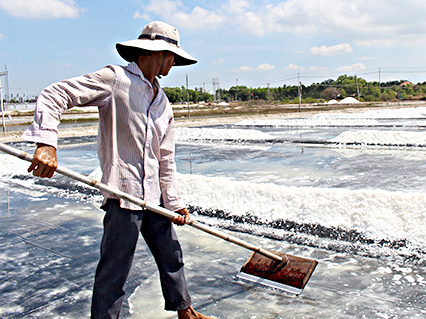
169	61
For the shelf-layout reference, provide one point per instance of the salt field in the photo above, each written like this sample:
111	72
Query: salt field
346	189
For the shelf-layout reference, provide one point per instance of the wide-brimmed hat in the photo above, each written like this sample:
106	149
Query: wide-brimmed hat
156	36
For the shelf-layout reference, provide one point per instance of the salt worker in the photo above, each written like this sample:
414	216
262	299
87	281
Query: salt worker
136	153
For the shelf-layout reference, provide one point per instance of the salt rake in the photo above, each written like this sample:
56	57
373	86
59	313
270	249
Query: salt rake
277	270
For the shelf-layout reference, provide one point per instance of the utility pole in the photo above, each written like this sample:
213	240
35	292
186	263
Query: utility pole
268	92
299	91
2	109
379	80
6	84
187	96
357	88
216	90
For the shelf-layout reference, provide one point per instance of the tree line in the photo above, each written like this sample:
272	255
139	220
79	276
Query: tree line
340	88
343	86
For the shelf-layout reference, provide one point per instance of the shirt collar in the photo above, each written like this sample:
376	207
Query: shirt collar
133	67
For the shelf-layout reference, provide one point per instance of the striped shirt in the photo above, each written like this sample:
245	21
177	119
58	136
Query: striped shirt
135	135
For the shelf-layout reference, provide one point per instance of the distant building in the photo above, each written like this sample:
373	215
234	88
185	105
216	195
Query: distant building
405	83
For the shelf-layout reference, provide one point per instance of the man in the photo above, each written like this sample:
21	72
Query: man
136	154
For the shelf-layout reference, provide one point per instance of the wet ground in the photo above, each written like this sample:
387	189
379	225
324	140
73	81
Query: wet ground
50	233
49	251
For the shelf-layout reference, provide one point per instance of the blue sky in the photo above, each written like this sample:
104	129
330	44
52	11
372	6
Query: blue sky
251	43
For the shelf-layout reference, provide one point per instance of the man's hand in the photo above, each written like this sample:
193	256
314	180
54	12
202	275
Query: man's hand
183	219
44	162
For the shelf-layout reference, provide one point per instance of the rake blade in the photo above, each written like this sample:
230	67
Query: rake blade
291	276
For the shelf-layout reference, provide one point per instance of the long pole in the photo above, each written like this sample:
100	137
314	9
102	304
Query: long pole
187	96
218	90
299	91
357	88
137	201
2	109
268	92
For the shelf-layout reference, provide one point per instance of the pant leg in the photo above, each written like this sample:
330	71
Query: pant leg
162	240
121	232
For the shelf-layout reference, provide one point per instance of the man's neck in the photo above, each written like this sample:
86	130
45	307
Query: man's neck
149	66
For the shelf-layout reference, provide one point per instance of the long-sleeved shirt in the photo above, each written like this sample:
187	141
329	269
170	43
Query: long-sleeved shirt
135	134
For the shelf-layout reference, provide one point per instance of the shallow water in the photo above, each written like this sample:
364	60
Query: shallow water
49	274
358	210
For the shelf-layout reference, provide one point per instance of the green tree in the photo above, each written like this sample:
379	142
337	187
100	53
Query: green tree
174	94
409	89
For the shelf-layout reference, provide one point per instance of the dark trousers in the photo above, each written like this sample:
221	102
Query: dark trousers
121	232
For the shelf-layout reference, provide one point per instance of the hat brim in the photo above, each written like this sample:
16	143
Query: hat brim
127	50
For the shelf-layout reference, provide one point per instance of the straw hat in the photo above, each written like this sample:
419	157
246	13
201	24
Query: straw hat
156	36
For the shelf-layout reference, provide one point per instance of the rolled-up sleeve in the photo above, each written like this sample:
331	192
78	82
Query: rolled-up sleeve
168	179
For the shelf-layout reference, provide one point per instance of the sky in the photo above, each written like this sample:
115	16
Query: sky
237	42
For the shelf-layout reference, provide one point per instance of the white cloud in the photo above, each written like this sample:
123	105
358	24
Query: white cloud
261	67
219	61
245	68
351	68
245	20
332	50
2	36
366	58
294	67
41	9
265	67
143	16
364	22
175	13
319	69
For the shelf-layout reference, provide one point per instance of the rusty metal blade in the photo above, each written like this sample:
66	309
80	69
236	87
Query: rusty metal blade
291	276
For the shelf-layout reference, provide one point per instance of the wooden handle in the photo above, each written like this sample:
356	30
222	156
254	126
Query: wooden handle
137	201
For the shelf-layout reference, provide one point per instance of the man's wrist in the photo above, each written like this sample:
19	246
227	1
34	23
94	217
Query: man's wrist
43	144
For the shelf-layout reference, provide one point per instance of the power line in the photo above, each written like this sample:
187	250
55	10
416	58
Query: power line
23	89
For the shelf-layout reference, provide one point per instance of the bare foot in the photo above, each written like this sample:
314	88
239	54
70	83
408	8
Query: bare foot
190	313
